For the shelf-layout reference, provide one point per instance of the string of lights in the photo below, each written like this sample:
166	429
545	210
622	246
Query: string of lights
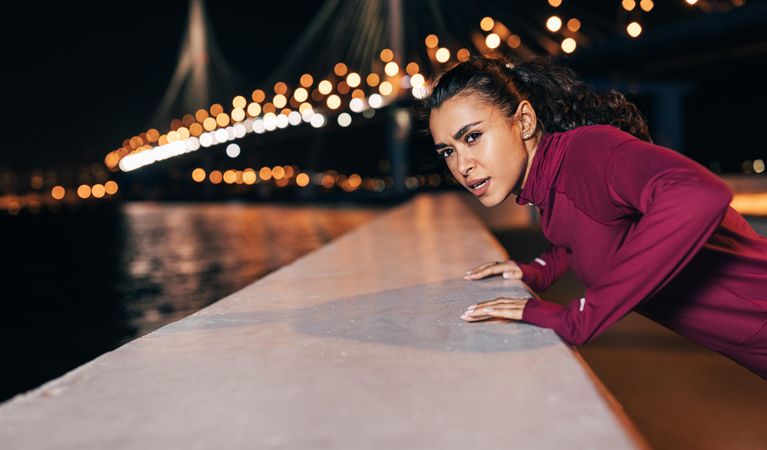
341	93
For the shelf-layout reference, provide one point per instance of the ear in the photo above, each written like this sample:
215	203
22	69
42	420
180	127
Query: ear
527	119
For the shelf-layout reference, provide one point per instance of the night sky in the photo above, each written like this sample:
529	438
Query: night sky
81	78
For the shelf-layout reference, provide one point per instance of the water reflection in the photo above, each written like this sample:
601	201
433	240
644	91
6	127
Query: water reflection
77	285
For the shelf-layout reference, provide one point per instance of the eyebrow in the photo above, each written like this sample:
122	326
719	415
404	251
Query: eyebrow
457	135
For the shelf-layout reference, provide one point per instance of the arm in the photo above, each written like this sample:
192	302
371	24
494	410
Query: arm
681	204
544	270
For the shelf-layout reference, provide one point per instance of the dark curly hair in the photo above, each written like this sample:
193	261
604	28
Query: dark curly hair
561	100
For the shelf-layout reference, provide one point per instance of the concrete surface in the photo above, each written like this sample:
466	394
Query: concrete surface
356	345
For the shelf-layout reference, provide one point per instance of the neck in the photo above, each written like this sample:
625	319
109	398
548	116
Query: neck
530	156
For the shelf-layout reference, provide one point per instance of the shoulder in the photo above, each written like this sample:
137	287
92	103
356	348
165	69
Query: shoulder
588	149
585	168
596	141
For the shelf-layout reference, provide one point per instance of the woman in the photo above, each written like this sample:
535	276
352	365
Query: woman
645	228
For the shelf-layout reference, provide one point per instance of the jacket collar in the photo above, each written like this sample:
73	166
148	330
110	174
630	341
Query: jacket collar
544	169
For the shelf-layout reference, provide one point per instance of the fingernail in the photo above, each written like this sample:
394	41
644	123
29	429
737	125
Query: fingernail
467	272
472	306
506	275
487	309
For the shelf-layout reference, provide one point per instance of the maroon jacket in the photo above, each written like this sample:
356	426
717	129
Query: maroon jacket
645	229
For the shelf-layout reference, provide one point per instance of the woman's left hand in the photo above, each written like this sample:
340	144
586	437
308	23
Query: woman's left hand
504	308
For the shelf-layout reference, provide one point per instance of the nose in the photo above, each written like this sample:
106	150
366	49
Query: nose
464	163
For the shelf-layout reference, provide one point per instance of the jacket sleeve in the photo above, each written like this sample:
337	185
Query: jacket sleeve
680	203
544	270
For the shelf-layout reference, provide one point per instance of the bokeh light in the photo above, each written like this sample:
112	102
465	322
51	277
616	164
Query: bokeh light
569	45
232	150
634	29
442	55
554	23
111	187
492	40
431	41
487	23
58	192
198	175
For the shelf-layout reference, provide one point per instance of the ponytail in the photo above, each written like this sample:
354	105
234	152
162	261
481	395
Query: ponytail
560	99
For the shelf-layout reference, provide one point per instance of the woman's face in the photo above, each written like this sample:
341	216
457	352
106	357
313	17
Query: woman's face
483	148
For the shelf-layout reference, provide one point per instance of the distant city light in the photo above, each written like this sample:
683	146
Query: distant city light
334	101
442	55
385	88
486	24
318	120
325	87
634	29
646	5
375	101
306	80
344	119
554	23
294	118
373	79
232	150
198	175
58	192
356	104
258	96
111	187
301	94
98	190
492	40
353	79
280	101
239	102
254	109
391	68
302	179
568	45
84	191
340	69
215	177
431	41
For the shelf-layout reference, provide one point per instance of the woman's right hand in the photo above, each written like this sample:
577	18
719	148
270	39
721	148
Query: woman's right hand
509	269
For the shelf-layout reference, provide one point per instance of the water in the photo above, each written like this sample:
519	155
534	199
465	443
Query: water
76	285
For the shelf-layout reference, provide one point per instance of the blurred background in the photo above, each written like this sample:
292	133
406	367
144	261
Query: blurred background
159	156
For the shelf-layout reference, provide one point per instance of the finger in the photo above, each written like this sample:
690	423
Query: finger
513	274
492	270
497	301
513	313
483	266
475	317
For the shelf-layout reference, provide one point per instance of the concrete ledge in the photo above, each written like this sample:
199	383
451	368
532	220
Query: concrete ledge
356	345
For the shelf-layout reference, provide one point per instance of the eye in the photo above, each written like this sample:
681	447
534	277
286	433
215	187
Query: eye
472	137
445	153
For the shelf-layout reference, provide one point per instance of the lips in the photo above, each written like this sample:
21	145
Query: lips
478	186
